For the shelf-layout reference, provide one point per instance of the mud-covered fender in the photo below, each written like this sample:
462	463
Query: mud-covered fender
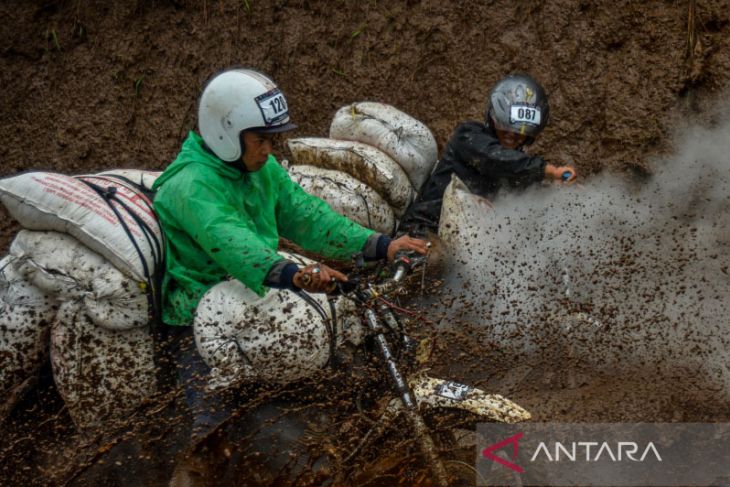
435	393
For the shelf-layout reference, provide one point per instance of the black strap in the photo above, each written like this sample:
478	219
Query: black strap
152	275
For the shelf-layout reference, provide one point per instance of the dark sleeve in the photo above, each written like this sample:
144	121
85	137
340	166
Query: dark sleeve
281	275
476	147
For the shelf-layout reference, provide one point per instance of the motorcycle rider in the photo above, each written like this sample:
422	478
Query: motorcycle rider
488	156
224	203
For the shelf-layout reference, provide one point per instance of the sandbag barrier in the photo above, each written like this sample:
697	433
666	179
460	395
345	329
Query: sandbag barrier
26	313
385	149
361	161
82	276
406	140
347	196
154	238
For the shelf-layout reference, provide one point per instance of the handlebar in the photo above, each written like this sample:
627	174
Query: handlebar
405	261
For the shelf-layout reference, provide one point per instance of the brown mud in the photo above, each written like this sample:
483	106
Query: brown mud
92	85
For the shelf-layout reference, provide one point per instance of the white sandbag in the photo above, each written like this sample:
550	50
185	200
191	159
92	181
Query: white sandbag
61	266
278	338
464	242
25	317
100	374
144	179
109	215
365	163
409	142
347	196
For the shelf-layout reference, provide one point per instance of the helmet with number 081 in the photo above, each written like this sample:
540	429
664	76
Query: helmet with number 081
518	104
240	100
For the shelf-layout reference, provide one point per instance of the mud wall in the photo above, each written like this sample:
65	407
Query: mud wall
89	85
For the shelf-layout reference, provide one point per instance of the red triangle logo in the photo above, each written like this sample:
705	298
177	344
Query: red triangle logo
488	452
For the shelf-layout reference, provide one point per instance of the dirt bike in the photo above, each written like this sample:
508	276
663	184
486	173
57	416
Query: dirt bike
437	412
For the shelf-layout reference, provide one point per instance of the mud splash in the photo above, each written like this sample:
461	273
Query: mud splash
611	278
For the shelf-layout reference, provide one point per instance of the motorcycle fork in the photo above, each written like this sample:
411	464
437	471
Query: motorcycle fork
407	398
408	345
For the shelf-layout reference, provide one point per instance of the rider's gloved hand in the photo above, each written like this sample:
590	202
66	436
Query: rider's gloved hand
407	243
318	278
564	174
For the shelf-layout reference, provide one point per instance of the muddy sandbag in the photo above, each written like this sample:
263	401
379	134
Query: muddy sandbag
409	142
464	242
101	374
61	266
361	161
108	214
347	196
281	337
25	316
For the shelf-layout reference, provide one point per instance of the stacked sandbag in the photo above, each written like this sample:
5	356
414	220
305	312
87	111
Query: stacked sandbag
101	273
347	196
376	144
62	267
361	161
26	313
101	345
281	337
101	374
409	142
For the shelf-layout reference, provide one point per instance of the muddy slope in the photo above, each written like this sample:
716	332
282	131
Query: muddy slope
89	85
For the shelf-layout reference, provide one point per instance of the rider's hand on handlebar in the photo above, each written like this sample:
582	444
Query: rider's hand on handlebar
564	174
318	278
407	243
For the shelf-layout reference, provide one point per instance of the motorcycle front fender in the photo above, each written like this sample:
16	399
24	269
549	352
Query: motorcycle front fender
433	393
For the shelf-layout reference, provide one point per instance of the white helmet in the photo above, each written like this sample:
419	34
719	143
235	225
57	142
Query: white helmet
238	100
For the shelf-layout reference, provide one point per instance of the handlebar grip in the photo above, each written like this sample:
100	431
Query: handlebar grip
345	287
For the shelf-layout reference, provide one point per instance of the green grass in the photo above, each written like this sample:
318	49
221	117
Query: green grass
52	37
138	85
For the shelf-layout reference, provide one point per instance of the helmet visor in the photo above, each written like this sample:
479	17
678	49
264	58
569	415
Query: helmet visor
274	129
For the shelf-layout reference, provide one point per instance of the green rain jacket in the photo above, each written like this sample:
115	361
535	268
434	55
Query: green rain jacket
220	221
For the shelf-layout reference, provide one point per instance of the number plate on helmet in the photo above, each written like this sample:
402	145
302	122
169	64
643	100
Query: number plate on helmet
273	106
453	390
524	114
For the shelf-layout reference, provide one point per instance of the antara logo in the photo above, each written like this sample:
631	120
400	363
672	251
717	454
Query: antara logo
591	451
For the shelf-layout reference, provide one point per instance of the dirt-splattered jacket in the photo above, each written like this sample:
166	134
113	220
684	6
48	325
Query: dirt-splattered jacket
476	156
219	220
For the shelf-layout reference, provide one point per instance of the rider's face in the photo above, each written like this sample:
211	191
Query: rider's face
511	140
258	146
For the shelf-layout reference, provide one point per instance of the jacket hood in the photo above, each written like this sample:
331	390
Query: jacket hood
193	152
